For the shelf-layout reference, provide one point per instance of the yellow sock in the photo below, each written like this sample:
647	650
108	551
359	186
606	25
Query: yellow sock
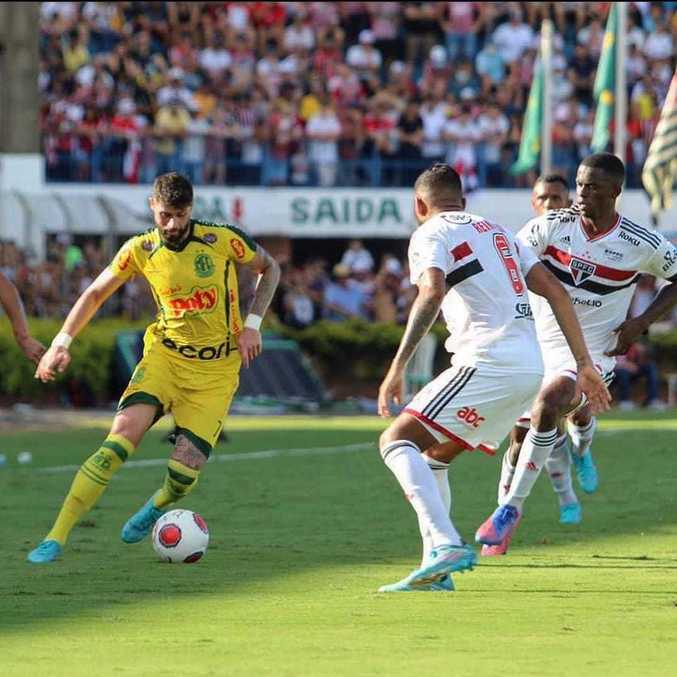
90	482
179	481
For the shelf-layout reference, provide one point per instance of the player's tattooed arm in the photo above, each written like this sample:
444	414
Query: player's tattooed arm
426	308
249	339
269	277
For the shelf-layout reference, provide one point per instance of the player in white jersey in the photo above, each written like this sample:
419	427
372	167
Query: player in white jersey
475	273
551	192
598	255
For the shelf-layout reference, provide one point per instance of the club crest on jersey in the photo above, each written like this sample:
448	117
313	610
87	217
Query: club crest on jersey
581	270
204	265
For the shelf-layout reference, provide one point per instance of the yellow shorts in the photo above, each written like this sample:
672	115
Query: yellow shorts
198	392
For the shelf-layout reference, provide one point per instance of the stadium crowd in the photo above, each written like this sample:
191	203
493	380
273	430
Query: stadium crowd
359	285
320	93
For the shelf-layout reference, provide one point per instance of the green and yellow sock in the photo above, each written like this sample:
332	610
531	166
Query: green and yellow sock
90	482
179	482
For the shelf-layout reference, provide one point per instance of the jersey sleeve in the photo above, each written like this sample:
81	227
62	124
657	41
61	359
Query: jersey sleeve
426	250
527	257
239	246
663	262
125	263
534	236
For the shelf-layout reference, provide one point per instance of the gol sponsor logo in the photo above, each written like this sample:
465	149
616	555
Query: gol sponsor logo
471	416
199	299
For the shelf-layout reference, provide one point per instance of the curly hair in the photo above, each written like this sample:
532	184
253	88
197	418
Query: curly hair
174	190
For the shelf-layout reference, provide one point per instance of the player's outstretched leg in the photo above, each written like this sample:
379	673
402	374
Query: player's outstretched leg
582	431
89	483
180	480
182	475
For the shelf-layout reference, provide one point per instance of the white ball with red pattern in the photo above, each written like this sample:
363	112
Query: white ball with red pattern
180	536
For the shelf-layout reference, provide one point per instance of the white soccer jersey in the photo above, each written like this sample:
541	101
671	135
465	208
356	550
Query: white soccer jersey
486	308
600	275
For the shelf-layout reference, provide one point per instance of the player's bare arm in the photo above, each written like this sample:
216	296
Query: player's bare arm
629	331
426	308
542	282
249	339
57	358
11	302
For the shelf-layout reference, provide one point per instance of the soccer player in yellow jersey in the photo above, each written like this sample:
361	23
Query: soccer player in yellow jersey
192	352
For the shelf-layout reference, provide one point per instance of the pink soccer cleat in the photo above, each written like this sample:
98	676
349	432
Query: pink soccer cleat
499	527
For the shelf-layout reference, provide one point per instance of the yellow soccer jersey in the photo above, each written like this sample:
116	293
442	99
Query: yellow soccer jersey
195	287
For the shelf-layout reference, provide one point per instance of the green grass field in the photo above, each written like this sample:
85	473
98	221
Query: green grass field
300	542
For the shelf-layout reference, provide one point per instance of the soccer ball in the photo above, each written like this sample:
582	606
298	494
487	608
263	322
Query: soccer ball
180	536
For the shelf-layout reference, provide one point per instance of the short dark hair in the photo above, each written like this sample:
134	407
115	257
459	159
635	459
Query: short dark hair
552	178
174	190
440	182
610	164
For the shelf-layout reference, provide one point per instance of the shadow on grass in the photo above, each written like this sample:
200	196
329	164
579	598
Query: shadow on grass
275	519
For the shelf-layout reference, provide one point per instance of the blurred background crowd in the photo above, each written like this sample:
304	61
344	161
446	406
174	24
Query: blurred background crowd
328	94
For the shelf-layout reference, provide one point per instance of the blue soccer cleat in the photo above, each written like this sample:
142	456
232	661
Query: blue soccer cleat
445	584
571	513
586	472
499	526
138	526
443	560
47	551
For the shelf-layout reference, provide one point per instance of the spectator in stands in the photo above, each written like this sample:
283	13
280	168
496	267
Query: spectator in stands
513	38
410	136
342	299
357	257
364	58
460	27
637	363
171	127
323	130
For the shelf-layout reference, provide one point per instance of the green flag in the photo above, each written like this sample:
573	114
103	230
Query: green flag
605	84
530	145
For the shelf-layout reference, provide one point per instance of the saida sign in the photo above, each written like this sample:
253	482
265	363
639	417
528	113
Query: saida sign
341	213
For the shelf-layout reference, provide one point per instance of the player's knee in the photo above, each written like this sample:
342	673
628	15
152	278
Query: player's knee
186	453
582	417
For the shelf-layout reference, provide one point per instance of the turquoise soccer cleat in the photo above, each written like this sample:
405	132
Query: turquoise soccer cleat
138	526
47	551
586	472
444	560
445	584
571	513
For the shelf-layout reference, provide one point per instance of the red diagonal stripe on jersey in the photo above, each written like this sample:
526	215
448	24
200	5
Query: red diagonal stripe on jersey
461	251
601	271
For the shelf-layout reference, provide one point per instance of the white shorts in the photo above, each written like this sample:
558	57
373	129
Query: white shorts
472	406
570	371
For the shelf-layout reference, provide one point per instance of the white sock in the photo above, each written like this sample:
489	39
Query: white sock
536	448
507	473
581	436
418	483
441	474
558	466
